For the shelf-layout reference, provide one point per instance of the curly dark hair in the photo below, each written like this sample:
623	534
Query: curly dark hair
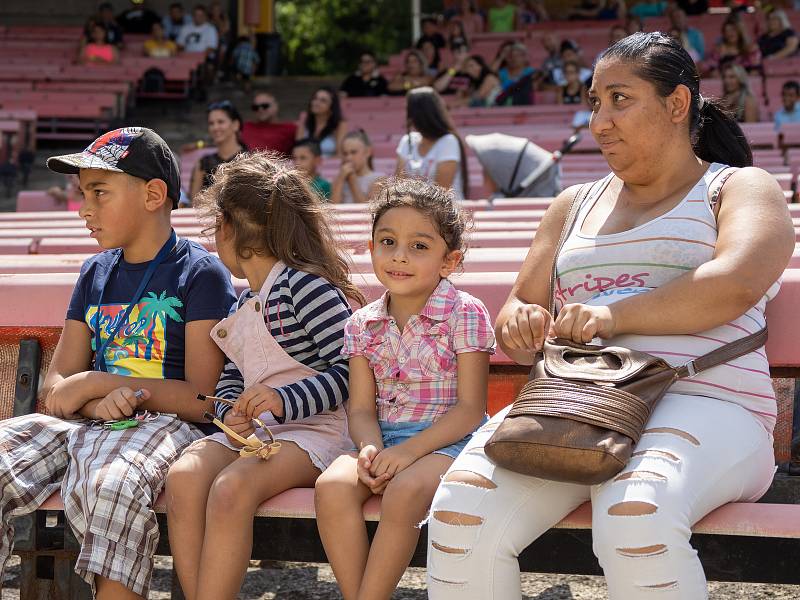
437	203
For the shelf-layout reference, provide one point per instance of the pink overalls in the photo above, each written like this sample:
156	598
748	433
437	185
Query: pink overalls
246	340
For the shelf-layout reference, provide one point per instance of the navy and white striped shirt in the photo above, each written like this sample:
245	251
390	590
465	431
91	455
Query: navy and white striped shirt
307	316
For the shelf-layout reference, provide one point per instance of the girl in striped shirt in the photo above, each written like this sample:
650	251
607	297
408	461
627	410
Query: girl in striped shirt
419	363
282	341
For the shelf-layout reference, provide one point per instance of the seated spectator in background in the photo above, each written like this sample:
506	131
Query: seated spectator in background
158	45
790	112
735	47
693	7
218	18
736	94
500	59
433	59
99	51
307	157
469	17
574	90
516	78
366	81
649	8
633	24
553	61
245	59
600	9
693	36
322	122
615	34
681	38
175	20
139	18
456	35
570	52
224	124
530	12
432	148
105	17
502	17
201	36
430	33
414	75
356	179
69	195
266	132
780	40
472	81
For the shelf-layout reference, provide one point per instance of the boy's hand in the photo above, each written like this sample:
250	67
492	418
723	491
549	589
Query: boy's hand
257	399
65	399
365	458
241	424
390	461
120	404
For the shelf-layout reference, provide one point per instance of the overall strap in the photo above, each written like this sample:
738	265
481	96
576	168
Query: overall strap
577	201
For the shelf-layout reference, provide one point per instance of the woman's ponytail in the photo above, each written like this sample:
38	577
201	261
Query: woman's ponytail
719	137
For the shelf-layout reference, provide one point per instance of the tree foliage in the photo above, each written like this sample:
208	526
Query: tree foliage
325	37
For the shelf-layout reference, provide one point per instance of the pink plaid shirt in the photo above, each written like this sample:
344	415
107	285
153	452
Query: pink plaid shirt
416	369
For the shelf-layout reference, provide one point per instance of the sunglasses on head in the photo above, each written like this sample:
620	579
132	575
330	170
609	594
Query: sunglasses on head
262	106
220	104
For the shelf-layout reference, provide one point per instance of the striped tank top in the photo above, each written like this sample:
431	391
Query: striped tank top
601	269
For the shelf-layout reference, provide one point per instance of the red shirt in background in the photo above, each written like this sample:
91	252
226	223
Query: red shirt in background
278	137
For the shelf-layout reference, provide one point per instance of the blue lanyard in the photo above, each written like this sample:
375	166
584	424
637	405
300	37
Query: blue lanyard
100	349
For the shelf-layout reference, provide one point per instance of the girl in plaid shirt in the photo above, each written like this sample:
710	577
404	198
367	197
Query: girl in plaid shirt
419	365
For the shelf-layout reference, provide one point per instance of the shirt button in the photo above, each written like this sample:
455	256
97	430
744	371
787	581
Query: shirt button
221	333
401	359
257	306
403	386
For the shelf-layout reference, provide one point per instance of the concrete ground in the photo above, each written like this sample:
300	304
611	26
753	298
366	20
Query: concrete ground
307	581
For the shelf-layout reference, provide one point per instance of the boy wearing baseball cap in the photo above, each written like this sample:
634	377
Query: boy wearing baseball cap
135	349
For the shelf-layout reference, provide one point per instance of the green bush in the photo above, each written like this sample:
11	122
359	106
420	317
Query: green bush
325	37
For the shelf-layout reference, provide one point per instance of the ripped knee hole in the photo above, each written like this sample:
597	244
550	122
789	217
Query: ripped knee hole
676	432
644	552
632	508
470	478
456	518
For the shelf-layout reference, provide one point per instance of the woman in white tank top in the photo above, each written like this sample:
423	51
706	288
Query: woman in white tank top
663	259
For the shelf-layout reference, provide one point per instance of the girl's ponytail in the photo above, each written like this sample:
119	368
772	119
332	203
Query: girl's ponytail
719	137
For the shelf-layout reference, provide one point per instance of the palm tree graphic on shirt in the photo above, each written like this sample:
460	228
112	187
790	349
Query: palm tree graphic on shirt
154	308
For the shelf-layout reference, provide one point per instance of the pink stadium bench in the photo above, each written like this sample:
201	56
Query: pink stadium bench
753	542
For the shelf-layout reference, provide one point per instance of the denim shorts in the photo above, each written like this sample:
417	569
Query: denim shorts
396	433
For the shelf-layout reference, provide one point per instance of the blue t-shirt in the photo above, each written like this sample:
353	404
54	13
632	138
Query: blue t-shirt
190	285
782	116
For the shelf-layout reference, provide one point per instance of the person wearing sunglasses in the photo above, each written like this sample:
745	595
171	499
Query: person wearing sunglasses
367	80
265	131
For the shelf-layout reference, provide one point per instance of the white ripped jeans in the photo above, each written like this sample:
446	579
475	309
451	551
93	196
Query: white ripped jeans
697	454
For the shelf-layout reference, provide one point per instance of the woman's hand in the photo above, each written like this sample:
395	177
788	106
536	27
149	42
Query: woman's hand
582	323
257	399
526	328
240	424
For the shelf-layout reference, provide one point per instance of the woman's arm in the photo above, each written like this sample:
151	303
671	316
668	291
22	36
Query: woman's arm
362	413
754	245
490	82
750	109
337	187
788	49
523	322
197	181
300	132
445	173
397	84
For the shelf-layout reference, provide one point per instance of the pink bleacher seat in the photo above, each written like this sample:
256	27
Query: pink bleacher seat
790	136
36	201
16	245
760	134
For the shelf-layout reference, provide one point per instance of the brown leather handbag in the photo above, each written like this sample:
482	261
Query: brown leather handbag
585	407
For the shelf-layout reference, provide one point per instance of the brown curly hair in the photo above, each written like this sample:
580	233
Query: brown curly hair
437	203
272	210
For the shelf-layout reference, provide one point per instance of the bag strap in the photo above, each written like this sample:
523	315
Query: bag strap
724	354
577	201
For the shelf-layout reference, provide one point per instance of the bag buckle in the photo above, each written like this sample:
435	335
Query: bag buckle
690	368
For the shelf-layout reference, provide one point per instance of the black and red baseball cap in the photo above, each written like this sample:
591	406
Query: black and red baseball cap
137	151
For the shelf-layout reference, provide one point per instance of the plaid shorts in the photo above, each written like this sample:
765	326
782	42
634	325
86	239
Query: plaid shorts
108	480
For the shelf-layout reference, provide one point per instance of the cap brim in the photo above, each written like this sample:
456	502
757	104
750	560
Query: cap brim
71	164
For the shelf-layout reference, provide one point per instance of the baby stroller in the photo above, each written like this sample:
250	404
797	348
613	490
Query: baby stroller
517	166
